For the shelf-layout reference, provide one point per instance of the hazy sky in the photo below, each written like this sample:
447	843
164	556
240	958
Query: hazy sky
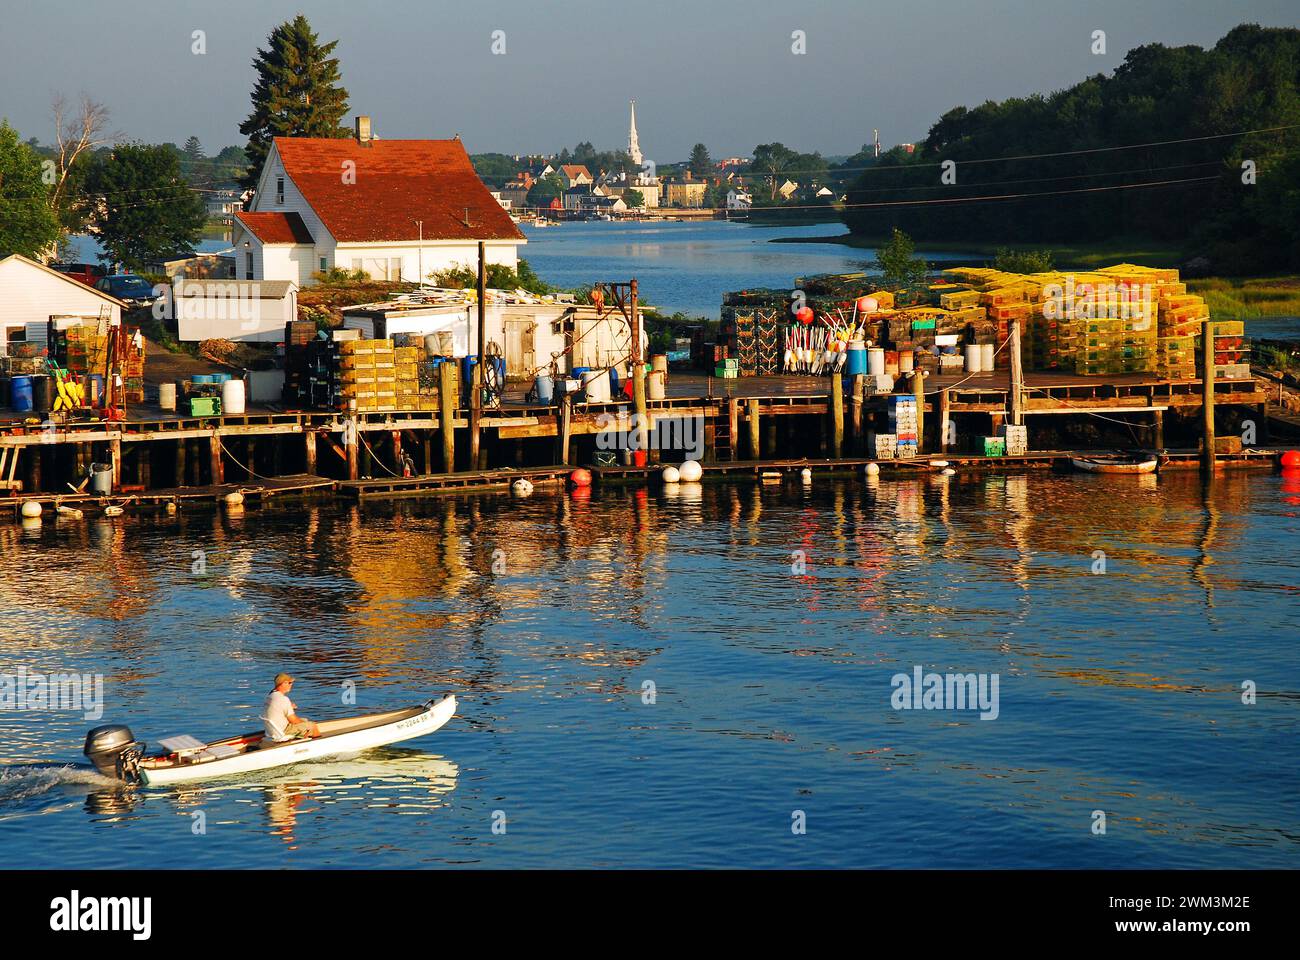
717	71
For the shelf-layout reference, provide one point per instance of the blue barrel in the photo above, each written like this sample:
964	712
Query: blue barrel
203	378
577	372
857	359
220	378
613	382
21	393
467	366
499	363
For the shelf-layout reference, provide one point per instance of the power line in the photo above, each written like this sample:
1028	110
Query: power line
1033	156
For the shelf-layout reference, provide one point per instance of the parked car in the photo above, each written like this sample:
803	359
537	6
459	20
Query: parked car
130	288
87	273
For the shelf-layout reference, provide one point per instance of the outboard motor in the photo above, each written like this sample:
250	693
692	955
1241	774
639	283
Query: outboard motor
114	751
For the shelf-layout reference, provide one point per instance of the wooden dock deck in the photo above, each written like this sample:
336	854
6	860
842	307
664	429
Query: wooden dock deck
159	456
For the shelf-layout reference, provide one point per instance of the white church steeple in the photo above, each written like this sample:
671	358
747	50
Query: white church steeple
633	146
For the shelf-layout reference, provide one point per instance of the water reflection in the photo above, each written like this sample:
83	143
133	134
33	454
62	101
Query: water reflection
546	615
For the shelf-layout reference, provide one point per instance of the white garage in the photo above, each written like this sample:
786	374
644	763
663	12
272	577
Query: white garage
30	294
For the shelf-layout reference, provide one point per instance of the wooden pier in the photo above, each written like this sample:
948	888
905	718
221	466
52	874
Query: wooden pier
738	426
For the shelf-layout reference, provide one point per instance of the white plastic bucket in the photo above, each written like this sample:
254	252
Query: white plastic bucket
232	397
906	361
167	396
595	383
986	357
655	385
545	388
876	361
973	357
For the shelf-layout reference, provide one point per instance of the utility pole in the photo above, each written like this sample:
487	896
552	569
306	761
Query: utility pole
638	376
478	378
420	255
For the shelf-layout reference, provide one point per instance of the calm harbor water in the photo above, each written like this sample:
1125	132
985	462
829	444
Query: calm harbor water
1119	691
688	266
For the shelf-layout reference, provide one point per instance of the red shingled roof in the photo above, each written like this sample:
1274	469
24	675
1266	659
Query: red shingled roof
397	182
276	227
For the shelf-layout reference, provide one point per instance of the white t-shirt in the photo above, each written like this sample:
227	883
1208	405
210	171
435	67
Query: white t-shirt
276	713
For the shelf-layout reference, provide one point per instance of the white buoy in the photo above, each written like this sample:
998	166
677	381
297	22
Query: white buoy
690	471
938	463
872	469
521	487
72	513
949	472
672	475
113	511
234	499
31	509
806	474
171	506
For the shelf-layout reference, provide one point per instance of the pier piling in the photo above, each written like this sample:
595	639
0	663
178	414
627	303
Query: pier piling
1207	394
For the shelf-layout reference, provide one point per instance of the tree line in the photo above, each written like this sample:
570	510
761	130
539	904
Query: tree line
1192	147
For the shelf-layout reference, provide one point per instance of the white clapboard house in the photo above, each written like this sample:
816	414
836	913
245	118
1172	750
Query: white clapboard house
396	209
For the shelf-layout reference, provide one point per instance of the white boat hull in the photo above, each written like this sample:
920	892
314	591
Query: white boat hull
1114	466
404	725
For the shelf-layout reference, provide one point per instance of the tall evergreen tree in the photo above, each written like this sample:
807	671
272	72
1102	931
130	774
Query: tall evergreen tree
297	92
701	163
193	149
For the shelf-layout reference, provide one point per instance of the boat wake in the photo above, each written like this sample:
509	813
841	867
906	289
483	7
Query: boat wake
24	782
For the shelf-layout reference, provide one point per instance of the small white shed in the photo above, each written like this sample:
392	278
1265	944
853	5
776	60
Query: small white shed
245	310
30	294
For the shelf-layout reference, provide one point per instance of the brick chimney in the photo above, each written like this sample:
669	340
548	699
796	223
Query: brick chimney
363	129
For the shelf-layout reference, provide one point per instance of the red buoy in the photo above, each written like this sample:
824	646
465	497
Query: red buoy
804	315
1291	458
580	477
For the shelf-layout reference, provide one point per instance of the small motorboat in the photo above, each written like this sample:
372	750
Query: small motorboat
1141	462
116	753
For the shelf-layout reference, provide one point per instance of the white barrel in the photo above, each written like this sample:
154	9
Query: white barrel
906	361
659	362
167	396
973	356
876	361
986	357
655	385
232	397
432	345
595	383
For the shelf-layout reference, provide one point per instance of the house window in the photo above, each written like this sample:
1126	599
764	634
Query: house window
248	265
279	189
323	267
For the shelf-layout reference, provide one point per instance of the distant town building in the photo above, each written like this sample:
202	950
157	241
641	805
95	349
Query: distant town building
787	189
685	193
732	162
739	200
575	175
222	203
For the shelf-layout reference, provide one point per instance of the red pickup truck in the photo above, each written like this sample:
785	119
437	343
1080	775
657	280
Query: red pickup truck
87	273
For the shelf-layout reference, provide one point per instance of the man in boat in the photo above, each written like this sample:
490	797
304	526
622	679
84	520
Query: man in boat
281	716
